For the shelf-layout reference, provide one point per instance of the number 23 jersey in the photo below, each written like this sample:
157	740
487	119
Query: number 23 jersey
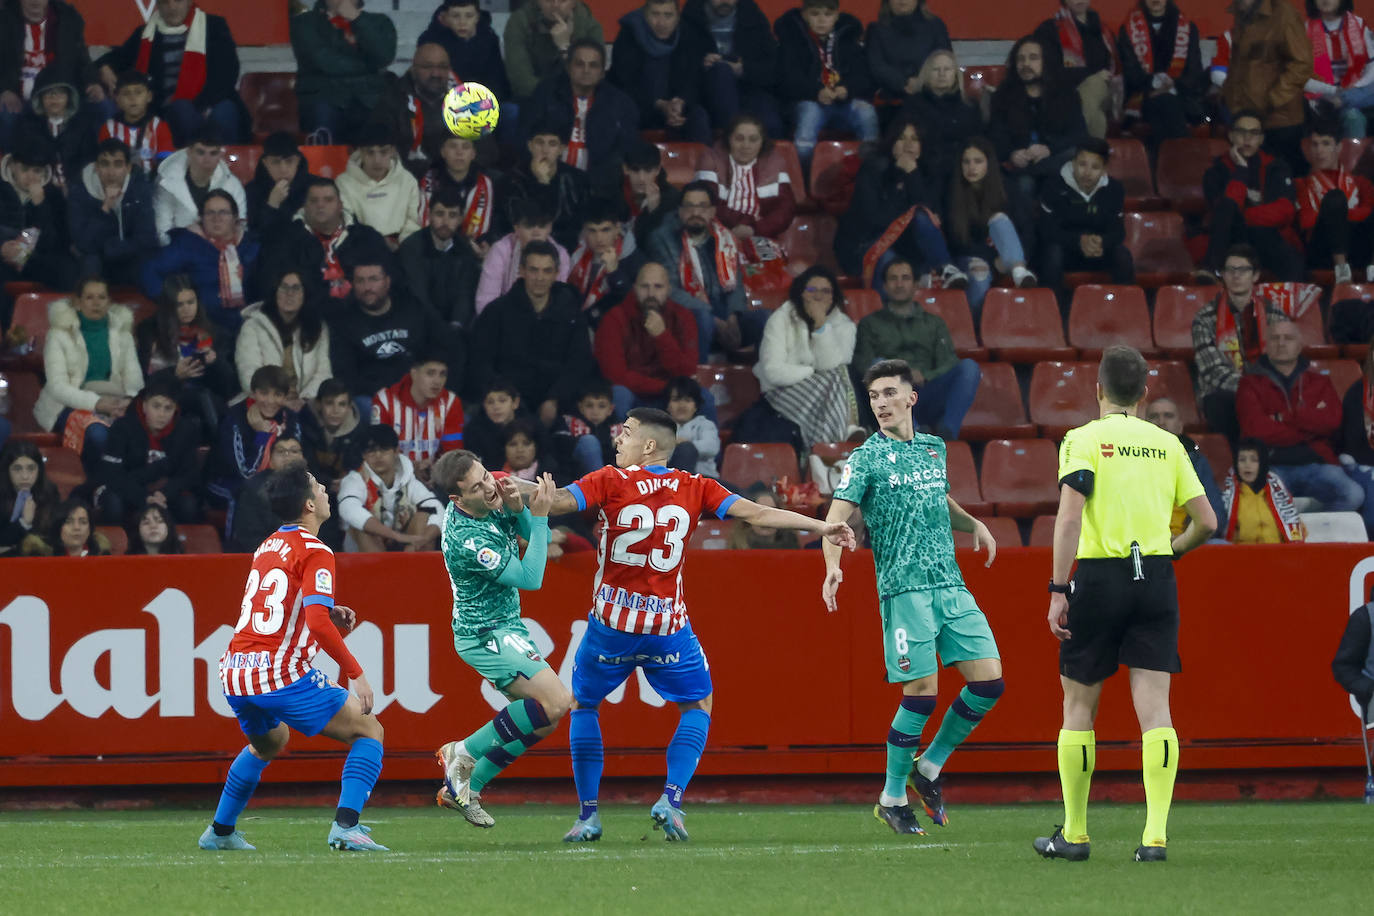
648	515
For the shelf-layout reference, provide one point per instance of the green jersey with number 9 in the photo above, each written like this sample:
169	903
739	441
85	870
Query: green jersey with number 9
476	551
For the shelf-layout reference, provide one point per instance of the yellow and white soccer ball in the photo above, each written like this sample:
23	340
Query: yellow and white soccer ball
471	111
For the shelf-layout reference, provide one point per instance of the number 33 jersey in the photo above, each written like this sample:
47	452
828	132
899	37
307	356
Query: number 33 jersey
648	515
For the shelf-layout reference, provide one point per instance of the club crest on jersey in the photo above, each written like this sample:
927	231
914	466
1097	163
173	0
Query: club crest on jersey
488	558
324	582
904	663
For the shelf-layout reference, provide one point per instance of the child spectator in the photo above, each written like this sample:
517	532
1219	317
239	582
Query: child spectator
1334	208
501	267
745	536
427	417
33	216
286	329
543	177
584	439
142	131
247	432
185	179
457	168
27	497
464	30
70	533
150	457
377	189
382	506
277	192
219	256
110	211
180	342
988	223
823	71
526	457
331	434
685	401
1085	220
1259	509
484	434
154	533
56	115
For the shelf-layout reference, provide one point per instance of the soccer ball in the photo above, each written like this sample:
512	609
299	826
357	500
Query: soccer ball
470	111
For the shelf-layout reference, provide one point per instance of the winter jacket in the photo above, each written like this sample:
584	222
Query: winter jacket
473	60
1264	173
1271	61
132	469
1354	436
1298	417
1190	86
259	344
190	252
899	45
50	262
772	186
547	355
241	451
399	101
612	125
372	352
65	363
922	340
501	270
173	206
363	495
486	440
335	71
1352	665
799	60
644	223
266	220
790	353
946	123
66	41
295	246
1215	370
882	192
703	434
635	71
221	63
564	197
391	206
1068	213
73	138
252	520
445	282
1097	48
127	234
1359	205
754	44
332	455
628	355
666	248
530	52
1017	121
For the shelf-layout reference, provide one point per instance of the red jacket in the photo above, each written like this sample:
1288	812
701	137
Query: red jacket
1309	200
1299	423
628	355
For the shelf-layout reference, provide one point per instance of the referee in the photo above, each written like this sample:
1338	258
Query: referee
1120	478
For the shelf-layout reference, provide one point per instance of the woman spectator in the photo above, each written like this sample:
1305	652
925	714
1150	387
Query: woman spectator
217	255
27	496
989	225
745	536
286	330
900	43
527	452
91	364
751	179
69	534
804	358
341	58
1259	508
150	458
948	120
179	341
154	533
892	213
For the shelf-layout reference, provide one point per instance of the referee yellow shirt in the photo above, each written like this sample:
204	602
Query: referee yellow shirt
1138	474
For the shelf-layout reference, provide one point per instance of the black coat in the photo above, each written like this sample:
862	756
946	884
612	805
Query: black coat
546	354
473	60
755	45
372	352
70	54
1191	85
128	235
265	220
1354	439
130	469
75	142
899	45
563	197
799	61
1096	52
294	247
646	223
946	122
252	519
221	63
51	262
882	192
1016	120
445	282
630	63
612	125
1067	215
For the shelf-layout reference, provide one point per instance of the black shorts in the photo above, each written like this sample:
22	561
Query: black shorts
1118	620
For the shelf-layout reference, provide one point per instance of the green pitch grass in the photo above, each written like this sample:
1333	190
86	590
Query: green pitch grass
1224	858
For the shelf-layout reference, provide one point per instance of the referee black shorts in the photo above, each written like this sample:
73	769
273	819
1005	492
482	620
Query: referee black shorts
1117	619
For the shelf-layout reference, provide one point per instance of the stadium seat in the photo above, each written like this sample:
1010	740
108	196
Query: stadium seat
952	306
1179	170
810	240
1020	477
24	391
199	539
1303	303
1104	316
788	152
1062	396
1218	453
1334	528
271	102
860	303
963	478
119	540
31	313
1363	291
735	389
1171	379
1023	326
832	174
712	534
1175	307
997	411
680	161
1042	531
978	79
1130	165
1352	150
63	467
1157	245
16	288
242	161
1342	372
326	161
744	463
1004	531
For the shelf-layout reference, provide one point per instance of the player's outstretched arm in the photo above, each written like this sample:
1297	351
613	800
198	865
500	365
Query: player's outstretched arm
768	517
840	512
564	503
960	520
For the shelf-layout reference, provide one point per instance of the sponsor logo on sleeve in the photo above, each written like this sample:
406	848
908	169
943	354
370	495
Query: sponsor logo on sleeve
488	558
324	582
845	474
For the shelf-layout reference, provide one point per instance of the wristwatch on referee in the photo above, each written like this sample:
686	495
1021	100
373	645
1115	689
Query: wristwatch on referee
1056	589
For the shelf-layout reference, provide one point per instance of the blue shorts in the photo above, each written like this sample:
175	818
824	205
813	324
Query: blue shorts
307	706
674	665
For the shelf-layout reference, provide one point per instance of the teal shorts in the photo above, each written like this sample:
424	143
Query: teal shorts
919	625
501	655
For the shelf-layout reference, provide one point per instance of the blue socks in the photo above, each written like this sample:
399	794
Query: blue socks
360	772
684	753
243	778
588	757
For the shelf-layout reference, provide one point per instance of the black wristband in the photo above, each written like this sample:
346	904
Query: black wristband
1060	589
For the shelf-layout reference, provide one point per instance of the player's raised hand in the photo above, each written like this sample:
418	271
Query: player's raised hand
542	500
830	587
364	691
343	617
841	534
982	537
510	494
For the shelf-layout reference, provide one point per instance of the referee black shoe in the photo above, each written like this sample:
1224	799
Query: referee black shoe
899	817
1056	847
1151	854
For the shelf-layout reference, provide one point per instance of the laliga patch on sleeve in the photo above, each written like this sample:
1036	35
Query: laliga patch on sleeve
324	582
488	558
845	474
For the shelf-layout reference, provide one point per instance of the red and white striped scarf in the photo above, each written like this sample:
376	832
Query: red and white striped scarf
230	271
1277	500
1138	31
1071	41
191	77
727	262
477	215
576	154
743	195
1320	182
588	276
331	271
37	54
1351	34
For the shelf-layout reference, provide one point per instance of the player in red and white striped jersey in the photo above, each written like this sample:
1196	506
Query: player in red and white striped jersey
427	417
287	615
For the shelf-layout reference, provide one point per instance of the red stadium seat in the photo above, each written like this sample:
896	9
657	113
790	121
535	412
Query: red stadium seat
810	240
1042	531
1023	326
735	389
63	467
1364	291
1170	379
744	463
24	390
1178	173
1062	396
1218	452
792	161
963	479
860	303
978	79
31	313
1105	316
832	174
1303	303
271	102
1175	307
1130	165
680	161
1156	243
1352	149
1004	531
118	538
326	161
199	539
712	534
242	161
997	411
952	306
1020	477
1342	372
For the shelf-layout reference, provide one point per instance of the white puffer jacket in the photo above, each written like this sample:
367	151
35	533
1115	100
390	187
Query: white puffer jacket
173	206
260	344
789	354
65	362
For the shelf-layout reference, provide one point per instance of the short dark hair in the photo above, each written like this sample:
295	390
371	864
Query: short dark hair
1346	6
1248	113
539	247
281	144
1325	126
220	194
447	195
270	378
600	210
371	258
1095	145
702	185
288	491
686	387
894	262
332	388
379	436
501	384
430	351
643	156
1122	375
375	133
450	468
134	78
596	388
286	437
450	4
885	368
161	385
526	211
659	422
208	134
320	181
528	427
591	43
112	145
546	126
1242	250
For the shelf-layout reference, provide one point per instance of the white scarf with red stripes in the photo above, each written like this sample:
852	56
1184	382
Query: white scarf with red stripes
689	273
191	77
